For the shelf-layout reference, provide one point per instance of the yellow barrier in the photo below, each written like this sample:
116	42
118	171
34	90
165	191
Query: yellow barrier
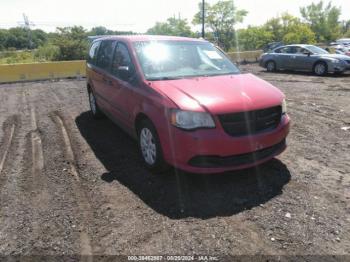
42	71
247	56
64	69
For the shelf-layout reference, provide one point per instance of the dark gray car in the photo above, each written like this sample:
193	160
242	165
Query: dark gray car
305	58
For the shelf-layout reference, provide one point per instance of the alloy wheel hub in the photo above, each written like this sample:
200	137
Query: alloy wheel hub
148	146
92	103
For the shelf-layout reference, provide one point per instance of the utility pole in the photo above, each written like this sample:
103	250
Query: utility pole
203	19
27	25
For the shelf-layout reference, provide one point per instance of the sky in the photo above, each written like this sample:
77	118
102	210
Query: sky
136	15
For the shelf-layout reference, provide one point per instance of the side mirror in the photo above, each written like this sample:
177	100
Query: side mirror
125	72
123	68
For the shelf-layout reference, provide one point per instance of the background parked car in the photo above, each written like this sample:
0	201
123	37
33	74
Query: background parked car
305	58
343	41
343	51
271	46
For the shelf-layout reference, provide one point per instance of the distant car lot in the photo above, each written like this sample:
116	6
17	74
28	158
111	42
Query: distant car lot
69	185
305	58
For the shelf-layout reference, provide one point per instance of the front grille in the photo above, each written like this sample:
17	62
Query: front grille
237	160
251	122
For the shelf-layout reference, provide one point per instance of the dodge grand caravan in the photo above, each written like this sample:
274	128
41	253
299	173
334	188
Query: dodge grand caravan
186	103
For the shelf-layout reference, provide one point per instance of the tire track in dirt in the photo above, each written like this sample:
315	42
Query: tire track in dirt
37	150
84	206
6	142
38	182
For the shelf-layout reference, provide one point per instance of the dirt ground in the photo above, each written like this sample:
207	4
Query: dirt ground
71	185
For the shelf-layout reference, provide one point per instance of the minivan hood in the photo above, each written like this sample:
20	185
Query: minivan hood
221	94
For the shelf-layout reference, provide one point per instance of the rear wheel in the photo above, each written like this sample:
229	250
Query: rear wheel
95	110
271	66
150	147
320	68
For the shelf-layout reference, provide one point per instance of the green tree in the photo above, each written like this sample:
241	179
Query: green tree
71	42
173	26
220	19
3	38
323	20
300	34
100	30
47	52
254	37
345	28
289	29
39	38
22	38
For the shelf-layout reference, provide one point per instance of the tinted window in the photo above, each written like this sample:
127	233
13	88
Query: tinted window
105	54
93	52
284	50
122	65
299	50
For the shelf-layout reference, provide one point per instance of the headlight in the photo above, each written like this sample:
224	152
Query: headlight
191	120
284	106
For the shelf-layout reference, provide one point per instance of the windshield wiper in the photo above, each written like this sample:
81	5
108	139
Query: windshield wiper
164	78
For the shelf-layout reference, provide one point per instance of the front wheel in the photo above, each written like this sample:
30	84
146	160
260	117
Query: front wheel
150	147
95	110
320	69
271	66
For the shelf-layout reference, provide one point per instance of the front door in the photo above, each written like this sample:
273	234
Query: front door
123	81
301	59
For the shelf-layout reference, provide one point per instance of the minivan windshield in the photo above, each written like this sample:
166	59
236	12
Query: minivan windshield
166	60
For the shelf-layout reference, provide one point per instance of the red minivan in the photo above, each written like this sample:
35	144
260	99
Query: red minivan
186	103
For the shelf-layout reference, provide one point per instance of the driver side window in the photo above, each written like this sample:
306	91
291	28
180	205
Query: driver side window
122	66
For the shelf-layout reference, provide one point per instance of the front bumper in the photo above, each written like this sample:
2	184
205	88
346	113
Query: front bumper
341	67
183	149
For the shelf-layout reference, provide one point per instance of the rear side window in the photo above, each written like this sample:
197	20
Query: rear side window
122	65
105	53
284	50
93	52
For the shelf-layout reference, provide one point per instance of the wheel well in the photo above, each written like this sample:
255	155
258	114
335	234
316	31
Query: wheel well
270	60
320	61
138	120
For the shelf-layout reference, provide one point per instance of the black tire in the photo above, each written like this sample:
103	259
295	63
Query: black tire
320	69
270	66
158	165
94	109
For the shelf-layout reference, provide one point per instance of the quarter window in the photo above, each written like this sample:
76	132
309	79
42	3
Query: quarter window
93	52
